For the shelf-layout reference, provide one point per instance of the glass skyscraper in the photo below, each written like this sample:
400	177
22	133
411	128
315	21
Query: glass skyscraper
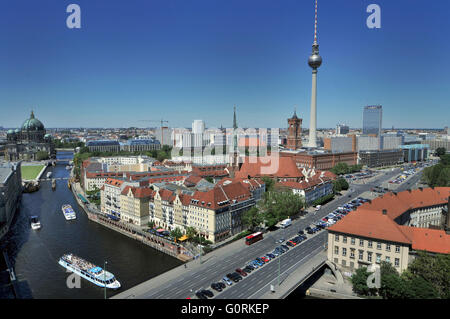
372	119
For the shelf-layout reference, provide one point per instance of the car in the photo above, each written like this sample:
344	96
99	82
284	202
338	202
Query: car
241	272
247	269
260	260
200	295
281	240
227	281
285	247
207	293
265	259
216	287
301	232
272	256
233	277
250	266
310	231
293	243
290	244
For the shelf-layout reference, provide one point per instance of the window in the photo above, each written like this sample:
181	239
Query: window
343	262
397	262
378	245
353	240
344	239
388	259
344	251
397	248
336	250
352	253
361	242
361	254
369	244
388	247
378	258
369	256
336	237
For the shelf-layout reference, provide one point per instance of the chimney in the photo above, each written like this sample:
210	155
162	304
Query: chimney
384	211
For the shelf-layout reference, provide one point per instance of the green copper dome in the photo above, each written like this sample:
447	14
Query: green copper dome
32	124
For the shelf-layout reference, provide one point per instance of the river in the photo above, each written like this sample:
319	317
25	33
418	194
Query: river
35	253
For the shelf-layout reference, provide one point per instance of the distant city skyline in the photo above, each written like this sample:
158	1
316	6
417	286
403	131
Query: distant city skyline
185	61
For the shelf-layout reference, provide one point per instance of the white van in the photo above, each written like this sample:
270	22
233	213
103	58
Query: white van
318	207
285	223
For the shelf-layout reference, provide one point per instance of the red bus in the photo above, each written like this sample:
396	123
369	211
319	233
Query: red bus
253	238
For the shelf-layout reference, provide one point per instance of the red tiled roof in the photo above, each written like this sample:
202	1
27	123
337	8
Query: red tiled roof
403	201
432	240
114	182
369	221
221	196
269	166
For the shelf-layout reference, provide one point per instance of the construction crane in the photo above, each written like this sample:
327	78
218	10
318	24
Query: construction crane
162	127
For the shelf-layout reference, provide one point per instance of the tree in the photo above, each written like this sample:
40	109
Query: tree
392	286
434	269
176	233
209	179
280	205
191	232
440	151
252	218
340	184
419	288
359	282
270	183
41	155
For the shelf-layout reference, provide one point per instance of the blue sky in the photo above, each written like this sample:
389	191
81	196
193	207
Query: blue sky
183	60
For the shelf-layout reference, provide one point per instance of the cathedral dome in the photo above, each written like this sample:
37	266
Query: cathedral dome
32	124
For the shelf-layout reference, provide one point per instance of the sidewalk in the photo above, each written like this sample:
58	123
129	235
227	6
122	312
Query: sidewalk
296	276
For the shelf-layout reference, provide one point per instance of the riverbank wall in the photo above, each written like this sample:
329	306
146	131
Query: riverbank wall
161	244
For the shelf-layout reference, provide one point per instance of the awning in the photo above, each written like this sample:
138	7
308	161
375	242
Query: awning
160	230
183	238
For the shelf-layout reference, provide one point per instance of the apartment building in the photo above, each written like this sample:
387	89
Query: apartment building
134	204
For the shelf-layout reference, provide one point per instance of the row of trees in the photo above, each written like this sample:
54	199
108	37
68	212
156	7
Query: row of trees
60	144
426	277
275	206
438	175
344	168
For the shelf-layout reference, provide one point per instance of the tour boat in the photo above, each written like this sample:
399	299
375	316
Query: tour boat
68	212
35	223
89	271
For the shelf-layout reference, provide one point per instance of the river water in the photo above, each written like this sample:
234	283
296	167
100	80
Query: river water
35	253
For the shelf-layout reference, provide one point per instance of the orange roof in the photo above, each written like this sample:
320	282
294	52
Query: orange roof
269	166
397	204
370	224
221	196
369	221
114	182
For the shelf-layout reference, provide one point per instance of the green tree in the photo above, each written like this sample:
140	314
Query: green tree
176	233
434	269
41	155
280	205
340	169
190	232
252	218
440	151
359	282
340	184
209	179
270	183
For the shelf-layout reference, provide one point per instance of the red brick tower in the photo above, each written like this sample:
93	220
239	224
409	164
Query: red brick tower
294	140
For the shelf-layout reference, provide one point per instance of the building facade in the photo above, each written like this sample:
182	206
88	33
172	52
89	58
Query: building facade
10	193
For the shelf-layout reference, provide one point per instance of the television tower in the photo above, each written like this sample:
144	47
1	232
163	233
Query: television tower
314	61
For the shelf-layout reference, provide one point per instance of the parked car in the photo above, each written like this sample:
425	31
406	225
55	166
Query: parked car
227	281
271	256
200	295
285	247
216	287
207	293
241	272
